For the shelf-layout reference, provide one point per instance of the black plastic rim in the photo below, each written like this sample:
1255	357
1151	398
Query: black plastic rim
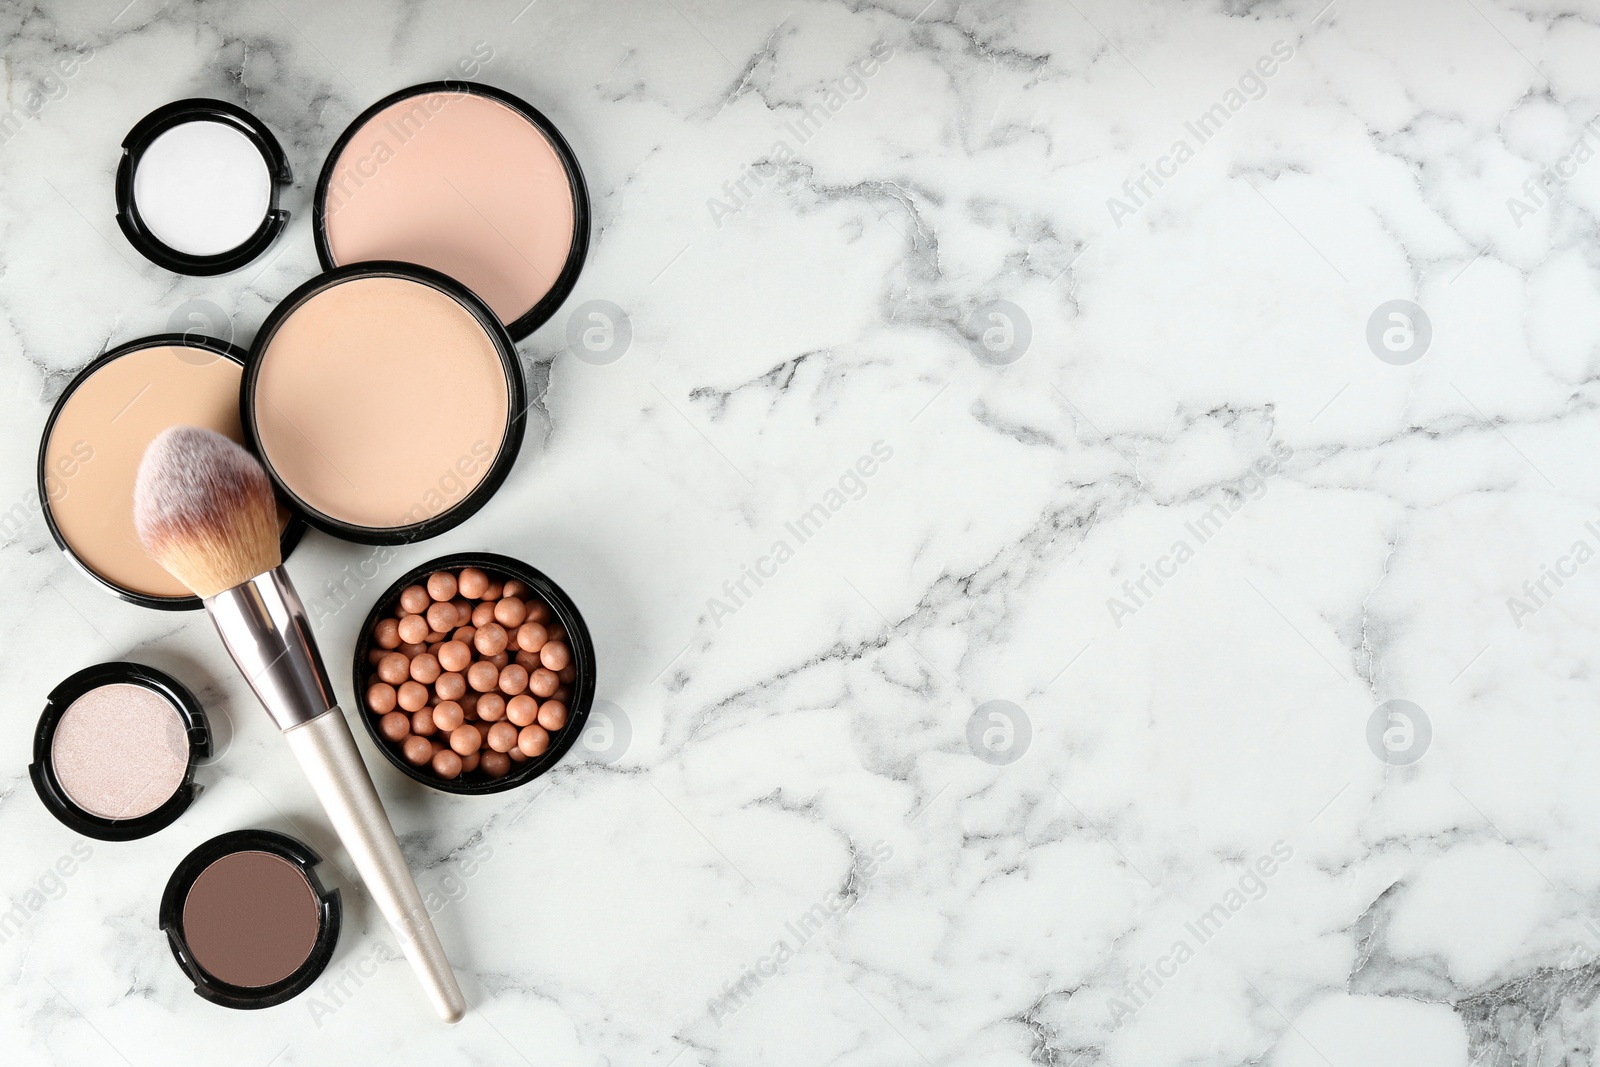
177	892
292	531
540	313
43	771
510	442
158	122
578	638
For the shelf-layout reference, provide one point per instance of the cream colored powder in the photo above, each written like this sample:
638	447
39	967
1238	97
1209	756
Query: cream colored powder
99	437
381	402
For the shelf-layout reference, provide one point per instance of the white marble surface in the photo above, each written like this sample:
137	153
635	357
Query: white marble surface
811	739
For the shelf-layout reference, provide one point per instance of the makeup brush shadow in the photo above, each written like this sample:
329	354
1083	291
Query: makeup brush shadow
412	806
206	685
408	802
307	823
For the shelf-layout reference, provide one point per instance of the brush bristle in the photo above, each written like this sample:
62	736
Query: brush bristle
204	510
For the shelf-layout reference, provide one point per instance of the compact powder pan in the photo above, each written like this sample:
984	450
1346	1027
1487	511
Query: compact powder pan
468	180
96	435
385	401
248	920
198	186
115	751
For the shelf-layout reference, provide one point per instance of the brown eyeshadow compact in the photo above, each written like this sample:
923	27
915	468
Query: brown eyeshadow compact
248	920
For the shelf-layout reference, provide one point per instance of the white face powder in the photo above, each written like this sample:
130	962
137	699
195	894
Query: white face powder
202	188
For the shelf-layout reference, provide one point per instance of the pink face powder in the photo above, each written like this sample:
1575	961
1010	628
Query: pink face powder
461	182
120	751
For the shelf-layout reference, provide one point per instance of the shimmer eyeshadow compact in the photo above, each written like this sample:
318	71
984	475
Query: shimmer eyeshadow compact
468	180
96	436
248	920
115	751
198	186
385	400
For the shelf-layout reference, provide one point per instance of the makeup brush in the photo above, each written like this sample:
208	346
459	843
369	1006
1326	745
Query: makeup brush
205	511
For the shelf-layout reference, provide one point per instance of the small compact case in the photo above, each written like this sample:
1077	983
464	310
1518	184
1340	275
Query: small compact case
198	187
248	920
115	751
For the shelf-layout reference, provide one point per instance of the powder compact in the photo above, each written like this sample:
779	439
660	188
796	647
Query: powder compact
115	751
468	180
248	920
385	400
198	186
484	585
96	435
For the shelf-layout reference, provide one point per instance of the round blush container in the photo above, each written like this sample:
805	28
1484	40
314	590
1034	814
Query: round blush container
467	180
115	751
248	920
96	435
540	587
385	401
197	188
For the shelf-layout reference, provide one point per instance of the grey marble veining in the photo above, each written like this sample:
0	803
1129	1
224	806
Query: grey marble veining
1038	443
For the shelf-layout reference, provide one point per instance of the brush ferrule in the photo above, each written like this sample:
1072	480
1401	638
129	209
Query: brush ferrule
265	628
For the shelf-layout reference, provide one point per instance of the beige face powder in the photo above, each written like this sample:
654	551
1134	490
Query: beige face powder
460	182
99	433
379	401
120	751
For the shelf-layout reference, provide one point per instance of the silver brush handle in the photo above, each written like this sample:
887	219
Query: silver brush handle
328	755
265	628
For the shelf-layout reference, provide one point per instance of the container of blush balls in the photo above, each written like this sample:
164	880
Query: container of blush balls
474	673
